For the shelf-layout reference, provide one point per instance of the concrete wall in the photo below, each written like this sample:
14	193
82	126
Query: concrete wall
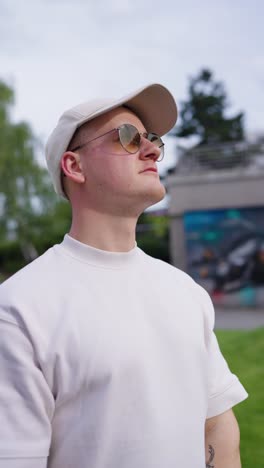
177	242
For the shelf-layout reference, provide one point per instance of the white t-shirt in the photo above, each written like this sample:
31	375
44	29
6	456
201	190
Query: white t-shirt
107	360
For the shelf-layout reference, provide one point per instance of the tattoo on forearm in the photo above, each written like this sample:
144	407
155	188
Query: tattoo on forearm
211	457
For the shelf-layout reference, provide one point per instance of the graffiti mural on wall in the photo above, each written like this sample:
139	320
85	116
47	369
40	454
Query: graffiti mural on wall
225	253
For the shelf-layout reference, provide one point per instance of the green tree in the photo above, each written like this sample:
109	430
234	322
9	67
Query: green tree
153	235
204	113
28	205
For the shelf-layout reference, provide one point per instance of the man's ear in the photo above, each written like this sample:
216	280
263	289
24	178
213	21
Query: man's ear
71	167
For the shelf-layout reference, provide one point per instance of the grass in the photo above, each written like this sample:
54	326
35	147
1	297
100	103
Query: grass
244	351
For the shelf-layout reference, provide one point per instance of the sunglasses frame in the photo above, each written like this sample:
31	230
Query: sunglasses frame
143	134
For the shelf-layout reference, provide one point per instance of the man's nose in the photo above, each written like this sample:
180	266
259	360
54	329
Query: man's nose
148	150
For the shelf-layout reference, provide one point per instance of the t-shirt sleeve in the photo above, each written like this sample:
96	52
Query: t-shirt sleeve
224	388
26	402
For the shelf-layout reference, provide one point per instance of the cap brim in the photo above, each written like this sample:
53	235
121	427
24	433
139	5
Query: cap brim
156	108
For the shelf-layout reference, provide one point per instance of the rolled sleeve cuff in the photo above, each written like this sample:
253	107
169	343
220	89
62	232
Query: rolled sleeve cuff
231	396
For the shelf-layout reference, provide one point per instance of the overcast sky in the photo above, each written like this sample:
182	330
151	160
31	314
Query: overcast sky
57	53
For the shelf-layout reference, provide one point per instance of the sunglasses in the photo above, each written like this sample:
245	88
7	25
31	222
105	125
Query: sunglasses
130	139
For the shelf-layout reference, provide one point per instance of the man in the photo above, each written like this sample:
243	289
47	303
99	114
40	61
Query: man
108	356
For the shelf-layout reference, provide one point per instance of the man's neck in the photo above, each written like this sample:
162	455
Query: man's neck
105	232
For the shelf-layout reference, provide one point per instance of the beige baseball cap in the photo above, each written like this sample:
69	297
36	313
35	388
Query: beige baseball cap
153	104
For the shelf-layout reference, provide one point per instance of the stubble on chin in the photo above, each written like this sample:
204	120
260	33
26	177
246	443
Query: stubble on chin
156	195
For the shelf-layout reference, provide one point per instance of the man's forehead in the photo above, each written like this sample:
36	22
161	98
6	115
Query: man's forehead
114	114
109	120
103	123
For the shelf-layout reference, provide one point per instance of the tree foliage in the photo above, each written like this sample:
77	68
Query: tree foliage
28	205
153	235
204	113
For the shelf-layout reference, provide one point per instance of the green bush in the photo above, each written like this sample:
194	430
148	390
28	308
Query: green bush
11	258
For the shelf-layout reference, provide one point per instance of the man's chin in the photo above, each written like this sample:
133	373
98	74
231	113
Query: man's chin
155	196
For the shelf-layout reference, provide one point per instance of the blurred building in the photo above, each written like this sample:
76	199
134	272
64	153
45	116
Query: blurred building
216	208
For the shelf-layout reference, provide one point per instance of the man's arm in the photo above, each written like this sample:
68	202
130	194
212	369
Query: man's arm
222	441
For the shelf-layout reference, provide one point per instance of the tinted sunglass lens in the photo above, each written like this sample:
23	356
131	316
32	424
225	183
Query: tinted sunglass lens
161	156
157	141
129	138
